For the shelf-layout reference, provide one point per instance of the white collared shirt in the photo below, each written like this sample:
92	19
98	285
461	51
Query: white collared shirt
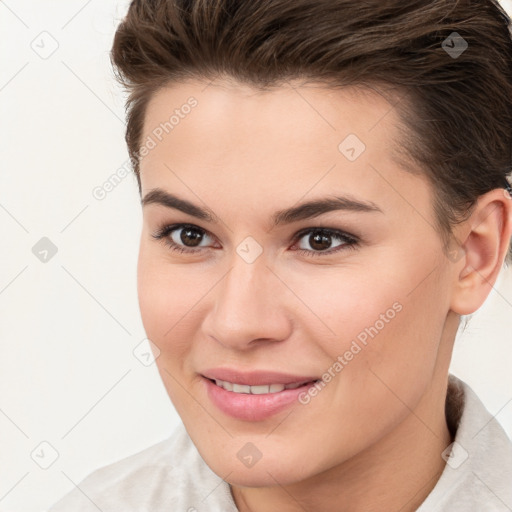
171	475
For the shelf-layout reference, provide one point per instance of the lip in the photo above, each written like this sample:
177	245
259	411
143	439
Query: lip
249	407
255	377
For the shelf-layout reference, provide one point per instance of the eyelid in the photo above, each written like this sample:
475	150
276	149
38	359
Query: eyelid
334	231
166	229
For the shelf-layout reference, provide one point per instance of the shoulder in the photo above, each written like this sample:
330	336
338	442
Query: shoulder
169	472
478	471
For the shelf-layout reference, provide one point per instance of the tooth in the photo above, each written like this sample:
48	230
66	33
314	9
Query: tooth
241	388
227	385
293	386
256	390
259	390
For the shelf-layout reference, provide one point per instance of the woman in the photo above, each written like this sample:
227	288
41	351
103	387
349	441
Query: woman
324	192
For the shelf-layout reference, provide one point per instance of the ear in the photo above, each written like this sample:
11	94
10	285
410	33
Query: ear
484	239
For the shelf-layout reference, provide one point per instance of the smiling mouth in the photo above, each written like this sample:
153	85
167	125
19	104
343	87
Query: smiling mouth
260	389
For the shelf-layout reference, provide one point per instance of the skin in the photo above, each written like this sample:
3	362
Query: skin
372	438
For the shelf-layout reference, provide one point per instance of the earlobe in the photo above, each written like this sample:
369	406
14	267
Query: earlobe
485	243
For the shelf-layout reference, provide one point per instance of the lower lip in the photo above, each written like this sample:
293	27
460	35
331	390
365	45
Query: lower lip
245	406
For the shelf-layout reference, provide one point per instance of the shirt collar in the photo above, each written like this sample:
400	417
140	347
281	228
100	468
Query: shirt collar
478	470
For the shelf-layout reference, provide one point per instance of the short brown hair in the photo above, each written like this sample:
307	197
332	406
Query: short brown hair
456	109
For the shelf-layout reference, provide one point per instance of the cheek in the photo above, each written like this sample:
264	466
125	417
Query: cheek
165	290
166	300
399	334
382	356
376	322
339	305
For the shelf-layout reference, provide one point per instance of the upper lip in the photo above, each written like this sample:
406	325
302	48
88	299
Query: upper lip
255	377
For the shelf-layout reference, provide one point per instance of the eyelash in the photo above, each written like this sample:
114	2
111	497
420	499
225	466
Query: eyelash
350	241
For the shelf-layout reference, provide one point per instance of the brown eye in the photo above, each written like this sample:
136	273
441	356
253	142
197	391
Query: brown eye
320	241
183	237
191	237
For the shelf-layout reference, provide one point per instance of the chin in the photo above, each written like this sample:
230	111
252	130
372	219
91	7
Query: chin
277	468
264	476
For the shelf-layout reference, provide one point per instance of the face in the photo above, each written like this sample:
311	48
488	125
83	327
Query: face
351	293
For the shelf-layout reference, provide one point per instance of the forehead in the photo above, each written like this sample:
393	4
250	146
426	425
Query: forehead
307	111
294	139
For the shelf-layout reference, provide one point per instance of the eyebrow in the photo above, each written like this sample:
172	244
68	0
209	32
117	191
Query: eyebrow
307	210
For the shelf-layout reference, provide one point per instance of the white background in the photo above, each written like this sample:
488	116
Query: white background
68	327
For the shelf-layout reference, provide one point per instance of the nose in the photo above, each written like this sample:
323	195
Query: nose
249	307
